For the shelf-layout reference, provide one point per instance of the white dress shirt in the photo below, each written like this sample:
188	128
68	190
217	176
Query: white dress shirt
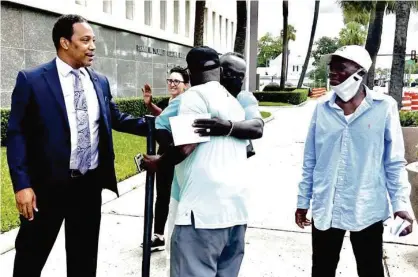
67	85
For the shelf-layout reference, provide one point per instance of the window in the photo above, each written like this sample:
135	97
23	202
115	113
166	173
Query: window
147	12
188	18
107	6
205	26
213	27
220	30
232	33
129	9
227	33
176	16
163	14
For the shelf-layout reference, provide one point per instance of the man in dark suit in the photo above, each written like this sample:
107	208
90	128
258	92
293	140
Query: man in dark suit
60	151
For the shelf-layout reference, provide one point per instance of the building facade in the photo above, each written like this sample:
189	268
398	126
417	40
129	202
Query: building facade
294	70
137	41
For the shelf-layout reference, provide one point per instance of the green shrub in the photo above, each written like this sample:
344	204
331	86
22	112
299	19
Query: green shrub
133	106
295	97
409	118
4	113
136	107
276	87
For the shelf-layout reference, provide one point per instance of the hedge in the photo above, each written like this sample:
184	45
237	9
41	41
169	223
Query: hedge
409	118
134	106
295	97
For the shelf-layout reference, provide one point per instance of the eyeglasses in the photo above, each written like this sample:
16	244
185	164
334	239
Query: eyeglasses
174	81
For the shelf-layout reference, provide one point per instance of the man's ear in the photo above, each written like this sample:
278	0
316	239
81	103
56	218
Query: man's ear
64	43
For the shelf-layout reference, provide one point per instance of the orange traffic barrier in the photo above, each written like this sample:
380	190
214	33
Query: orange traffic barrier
406	103
414	102
318	92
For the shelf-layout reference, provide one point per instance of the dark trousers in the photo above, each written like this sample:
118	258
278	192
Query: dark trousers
367	246
78	201
164	178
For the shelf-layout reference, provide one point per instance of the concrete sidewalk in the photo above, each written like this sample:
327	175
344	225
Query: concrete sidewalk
275	245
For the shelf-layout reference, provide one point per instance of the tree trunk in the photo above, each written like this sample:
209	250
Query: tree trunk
311	41
403	10
285	44
374	38
241	33
199	22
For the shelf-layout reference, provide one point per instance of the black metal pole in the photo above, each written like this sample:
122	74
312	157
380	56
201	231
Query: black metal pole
149	199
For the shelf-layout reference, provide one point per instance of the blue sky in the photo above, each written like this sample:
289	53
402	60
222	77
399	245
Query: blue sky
330	22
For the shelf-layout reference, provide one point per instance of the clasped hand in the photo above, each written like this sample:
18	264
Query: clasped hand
212	127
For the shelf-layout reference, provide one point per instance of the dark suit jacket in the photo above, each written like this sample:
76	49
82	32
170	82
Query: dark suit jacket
39	144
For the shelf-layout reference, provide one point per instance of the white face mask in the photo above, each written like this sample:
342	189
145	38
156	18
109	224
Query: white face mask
347	89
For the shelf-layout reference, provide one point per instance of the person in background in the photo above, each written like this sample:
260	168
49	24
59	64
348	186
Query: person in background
177	82
353	159
60	151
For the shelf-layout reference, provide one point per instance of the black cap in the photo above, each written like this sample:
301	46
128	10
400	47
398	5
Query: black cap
202	58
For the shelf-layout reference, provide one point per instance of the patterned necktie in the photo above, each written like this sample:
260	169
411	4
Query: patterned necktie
83	160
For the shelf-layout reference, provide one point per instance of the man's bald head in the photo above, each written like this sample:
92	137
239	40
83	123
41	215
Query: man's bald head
234	67
234	62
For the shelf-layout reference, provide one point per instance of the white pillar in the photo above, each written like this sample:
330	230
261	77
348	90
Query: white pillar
155	19
182	18
95	5
139	12
192	18
119	9
170	17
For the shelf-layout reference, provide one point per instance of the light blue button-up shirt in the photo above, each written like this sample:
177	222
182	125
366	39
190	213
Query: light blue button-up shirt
351	166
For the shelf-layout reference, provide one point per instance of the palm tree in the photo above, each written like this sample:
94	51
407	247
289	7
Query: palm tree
311	41
241	33
352	33
285	44
377	12
291	35
199	23
403	10
374	37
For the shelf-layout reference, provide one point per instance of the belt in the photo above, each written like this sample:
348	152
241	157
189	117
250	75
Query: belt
75	173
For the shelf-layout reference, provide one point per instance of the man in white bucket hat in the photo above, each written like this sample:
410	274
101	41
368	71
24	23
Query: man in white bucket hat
354	157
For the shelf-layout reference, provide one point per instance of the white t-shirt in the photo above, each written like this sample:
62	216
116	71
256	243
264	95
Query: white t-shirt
212	180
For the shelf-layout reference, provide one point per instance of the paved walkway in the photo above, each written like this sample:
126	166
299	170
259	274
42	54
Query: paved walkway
275	246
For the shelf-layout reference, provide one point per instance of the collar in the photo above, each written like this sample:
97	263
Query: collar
371	96
65	69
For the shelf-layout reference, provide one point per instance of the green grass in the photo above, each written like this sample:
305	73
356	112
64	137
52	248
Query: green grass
126	147
265	114
273	104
